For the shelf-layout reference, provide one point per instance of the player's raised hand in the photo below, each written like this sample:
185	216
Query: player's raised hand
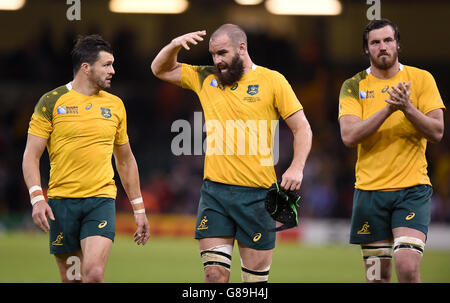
42	211
400	95
405	89
189	38
142	233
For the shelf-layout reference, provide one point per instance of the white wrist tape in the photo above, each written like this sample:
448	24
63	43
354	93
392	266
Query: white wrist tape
137	201
37	199
34	188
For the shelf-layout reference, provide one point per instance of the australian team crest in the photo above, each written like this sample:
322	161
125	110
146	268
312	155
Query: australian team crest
106	112
252	89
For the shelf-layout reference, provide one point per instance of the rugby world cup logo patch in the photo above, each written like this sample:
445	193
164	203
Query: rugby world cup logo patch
61	110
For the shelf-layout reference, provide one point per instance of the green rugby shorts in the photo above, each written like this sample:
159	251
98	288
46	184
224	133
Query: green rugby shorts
76	219
235	211
376	213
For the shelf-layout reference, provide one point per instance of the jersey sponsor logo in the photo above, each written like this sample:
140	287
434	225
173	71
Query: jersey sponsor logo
410	216
252	89
385	89
88	107
106	112
257	237
214	83
364	229
234	87
202	225
69	110
103	224
58	241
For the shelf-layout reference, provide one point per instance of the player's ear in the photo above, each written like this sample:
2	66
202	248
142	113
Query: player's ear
242	48
85	67
365	50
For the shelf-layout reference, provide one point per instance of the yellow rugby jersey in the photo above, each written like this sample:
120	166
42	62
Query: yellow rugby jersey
394	156
81	132
240	122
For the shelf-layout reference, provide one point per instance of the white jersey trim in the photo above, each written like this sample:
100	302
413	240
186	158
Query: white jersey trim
400	67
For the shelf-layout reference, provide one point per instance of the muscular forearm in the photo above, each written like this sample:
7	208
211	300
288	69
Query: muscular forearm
353	133
432	129
30	169
129	176
165	65
31	158
430	125
299	125
302	146
166	60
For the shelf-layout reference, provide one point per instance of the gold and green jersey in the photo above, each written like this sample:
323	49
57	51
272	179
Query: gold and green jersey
240	122
394	156
81	132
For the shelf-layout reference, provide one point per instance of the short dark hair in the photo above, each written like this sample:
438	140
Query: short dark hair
377	24
86	49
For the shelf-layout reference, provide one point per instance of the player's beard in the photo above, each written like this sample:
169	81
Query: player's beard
384	62
101	82
235	71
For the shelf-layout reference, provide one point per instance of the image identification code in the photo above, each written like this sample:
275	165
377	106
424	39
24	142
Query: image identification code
230	292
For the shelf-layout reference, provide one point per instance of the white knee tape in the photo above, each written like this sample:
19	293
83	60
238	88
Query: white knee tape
409	243
254	276
217	256
378	250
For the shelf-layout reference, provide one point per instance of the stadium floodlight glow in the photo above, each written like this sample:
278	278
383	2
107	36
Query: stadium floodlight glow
148	6
248	2
11	5
304	7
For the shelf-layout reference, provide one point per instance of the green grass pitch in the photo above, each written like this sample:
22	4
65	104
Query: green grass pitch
24	257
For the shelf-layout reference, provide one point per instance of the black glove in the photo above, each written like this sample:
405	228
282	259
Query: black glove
281	205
